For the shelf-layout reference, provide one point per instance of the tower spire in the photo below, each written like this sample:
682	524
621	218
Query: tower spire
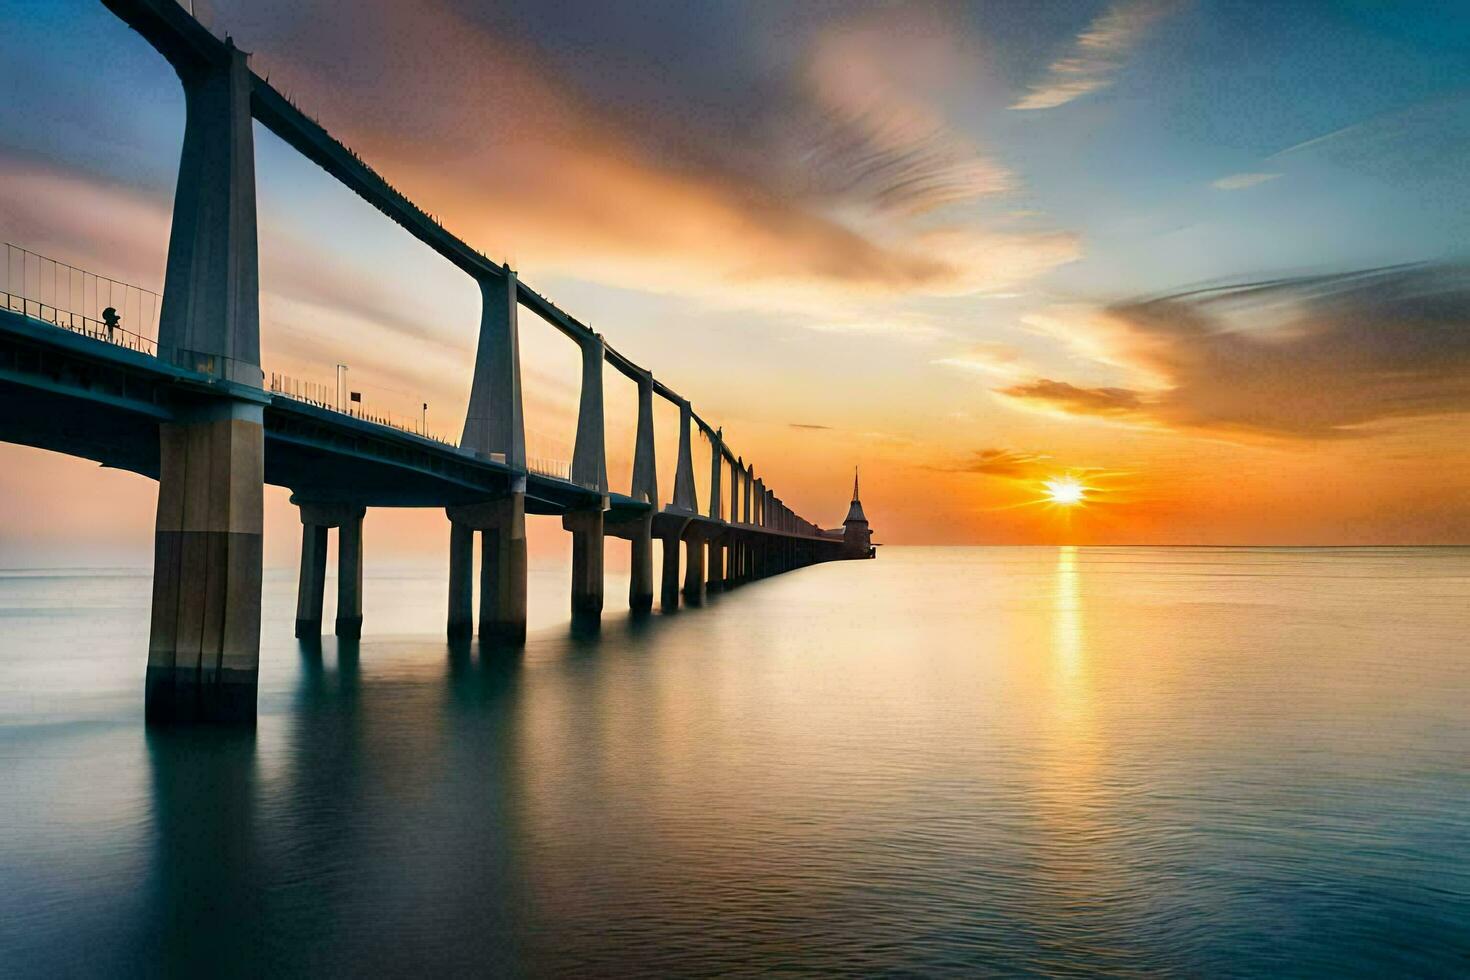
854	483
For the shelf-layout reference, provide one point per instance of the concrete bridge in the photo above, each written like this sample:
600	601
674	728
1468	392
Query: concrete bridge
196	417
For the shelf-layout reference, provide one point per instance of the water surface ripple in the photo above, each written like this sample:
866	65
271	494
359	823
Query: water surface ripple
964	761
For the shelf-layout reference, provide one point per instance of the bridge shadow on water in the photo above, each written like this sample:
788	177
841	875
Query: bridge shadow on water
386	815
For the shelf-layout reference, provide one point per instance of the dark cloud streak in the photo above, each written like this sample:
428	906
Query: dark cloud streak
1314	357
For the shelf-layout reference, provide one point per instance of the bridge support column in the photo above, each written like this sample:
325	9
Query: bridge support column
669	588
640	583
503	575
502	523
694	570
732	563
461	623
210	318
313	583
715	580
587	564
349	576
204	640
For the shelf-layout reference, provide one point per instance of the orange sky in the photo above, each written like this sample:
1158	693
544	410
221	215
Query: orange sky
903	239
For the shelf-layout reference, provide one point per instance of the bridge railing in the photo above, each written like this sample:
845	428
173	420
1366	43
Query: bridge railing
547	455
46	289
326	397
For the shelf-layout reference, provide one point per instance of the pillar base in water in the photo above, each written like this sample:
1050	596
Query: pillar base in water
349	627
640	580
460	624
716	579
694	571
204	639
669	592
178	696
502	568
587	565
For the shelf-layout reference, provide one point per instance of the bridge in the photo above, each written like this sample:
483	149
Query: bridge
192	410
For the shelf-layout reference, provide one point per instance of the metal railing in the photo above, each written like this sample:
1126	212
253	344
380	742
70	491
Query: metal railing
325	397
52	291
546	455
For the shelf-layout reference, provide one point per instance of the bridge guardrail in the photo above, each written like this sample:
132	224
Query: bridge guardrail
74	299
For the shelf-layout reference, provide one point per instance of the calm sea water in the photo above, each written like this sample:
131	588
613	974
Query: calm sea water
969	761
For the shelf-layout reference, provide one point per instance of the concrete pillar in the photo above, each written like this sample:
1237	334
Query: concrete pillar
494	425
684	497
749	495
461	623
587	565
589	456
312	585
210	320
503	574
732	561
737	491
204	639
669	591
715	573
644	488
694	571
502	523
735	470
589	469
717	465
640	584
349	577
760	503
645	472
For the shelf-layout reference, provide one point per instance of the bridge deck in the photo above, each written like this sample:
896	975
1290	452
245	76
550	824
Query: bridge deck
83	396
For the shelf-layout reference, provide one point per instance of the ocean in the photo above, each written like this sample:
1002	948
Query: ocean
965	761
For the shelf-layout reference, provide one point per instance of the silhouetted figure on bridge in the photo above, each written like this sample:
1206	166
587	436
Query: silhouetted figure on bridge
110	317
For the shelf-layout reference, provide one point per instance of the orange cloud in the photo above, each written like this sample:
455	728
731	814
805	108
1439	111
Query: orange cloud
558	178
1001	462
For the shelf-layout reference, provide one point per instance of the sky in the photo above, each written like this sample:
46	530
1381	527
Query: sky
1205	259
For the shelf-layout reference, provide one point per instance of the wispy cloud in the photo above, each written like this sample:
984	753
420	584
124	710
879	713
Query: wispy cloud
831	179
1006	463
1097	54
1319	357
808	425
1239	182
991	359
877	138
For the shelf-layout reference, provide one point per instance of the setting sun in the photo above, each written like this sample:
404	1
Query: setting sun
1064	490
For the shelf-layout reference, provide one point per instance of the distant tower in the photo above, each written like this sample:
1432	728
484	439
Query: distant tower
857	537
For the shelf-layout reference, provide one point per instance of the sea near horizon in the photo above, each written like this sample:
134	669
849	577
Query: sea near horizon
1065	761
